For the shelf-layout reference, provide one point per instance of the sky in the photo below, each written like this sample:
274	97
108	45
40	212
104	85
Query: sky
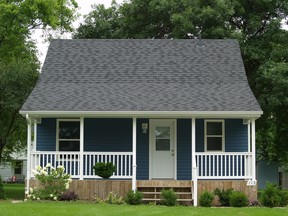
84	8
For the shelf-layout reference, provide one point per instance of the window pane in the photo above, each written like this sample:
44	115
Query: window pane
69	130
162	132
214	143
162	144
18	167
69	145
214	128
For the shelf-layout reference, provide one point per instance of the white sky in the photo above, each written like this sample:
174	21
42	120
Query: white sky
84	8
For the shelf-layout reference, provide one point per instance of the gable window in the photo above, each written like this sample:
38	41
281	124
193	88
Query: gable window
214	135
68	135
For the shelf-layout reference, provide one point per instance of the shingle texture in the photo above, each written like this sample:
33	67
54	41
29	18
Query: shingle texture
142	75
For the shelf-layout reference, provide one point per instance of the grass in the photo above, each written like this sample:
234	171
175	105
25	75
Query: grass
14	191
88	208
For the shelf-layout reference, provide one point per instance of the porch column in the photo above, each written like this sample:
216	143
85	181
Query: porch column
253	141
194	165
134	186
28	152
35	136
81	161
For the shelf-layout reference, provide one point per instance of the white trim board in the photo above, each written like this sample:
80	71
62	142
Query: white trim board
145	114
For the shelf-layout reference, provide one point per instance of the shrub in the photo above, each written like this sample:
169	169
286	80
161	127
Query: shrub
206	199
114	198
133	198
2	193
272	196
238	199
168	197
53	182
224	196
104	170
68	196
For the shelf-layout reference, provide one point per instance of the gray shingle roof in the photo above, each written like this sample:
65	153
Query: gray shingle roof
142	75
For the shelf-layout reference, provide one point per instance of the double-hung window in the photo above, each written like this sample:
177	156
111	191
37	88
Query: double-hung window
214	135
68	135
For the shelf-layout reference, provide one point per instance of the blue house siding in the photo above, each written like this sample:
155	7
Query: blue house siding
236	136
46	135
142	151
183	149
199	135
108	134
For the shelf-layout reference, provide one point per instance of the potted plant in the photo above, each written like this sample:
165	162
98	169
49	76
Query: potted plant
104	170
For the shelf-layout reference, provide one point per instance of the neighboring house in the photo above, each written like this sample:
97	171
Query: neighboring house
14	171
168	113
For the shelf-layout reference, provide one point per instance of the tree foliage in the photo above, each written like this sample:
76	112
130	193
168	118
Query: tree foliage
18	62
255	24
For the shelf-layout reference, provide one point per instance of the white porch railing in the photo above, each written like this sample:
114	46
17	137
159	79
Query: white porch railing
71	162
226	165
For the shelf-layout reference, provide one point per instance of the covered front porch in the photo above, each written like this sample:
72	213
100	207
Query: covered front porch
147	151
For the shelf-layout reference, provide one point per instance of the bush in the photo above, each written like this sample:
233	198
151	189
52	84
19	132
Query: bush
104	170
272	196
206	199
238	199
2	193
168	197
68	196
114	198
53	182
224	196
133	198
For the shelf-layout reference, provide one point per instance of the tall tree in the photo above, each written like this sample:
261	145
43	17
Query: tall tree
18	62
257	26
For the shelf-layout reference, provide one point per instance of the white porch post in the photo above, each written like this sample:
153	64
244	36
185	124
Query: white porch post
35	136
194	165
134	186
253	140
29	168
81	161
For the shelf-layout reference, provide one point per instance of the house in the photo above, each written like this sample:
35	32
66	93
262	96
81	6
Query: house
168	113
16	169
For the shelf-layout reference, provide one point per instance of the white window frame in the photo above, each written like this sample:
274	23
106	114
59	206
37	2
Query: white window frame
57	132
206	136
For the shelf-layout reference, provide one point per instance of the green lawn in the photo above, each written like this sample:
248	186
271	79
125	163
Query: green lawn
88	208
14	191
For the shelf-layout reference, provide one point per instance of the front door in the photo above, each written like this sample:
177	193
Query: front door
162	149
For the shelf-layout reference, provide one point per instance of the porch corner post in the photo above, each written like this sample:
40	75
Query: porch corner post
134	186
28	152
81	161
194	165
253	140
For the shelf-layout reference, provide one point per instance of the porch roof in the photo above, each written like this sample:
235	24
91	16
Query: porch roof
142	76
